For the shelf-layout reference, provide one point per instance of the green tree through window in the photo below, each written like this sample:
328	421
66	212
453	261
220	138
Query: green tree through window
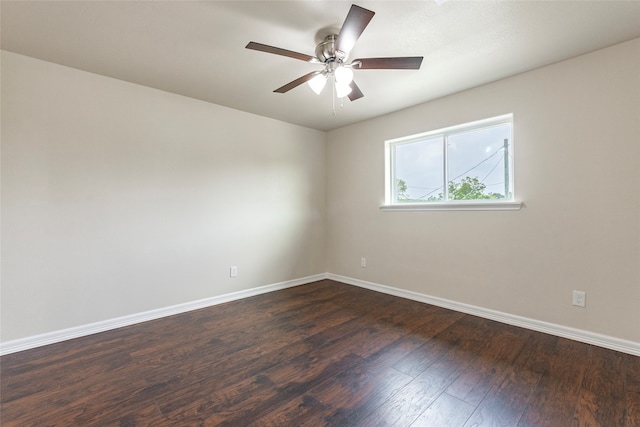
469	188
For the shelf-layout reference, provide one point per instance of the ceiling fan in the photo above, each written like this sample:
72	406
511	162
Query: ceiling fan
334	51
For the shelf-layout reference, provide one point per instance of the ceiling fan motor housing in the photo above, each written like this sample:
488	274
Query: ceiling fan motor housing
326	50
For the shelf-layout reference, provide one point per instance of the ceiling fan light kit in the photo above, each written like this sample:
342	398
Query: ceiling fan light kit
317	83
342	89
333	52
343	74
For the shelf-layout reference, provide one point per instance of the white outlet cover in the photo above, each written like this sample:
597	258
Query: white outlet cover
579	298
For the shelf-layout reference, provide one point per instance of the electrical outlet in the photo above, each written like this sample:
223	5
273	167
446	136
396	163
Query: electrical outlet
579	298
363	262
233	271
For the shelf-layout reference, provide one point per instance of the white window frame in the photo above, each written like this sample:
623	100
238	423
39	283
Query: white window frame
497	204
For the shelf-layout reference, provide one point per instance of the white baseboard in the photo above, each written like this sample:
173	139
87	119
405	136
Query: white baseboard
599	340
106	325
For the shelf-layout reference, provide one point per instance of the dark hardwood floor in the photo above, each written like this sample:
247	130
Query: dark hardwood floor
323	354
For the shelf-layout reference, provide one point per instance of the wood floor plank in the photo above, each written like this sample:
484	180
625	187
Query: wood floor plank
300	372
602	397
379	333
477	379
36	378
241	403
77	404
417	361
559	387
322	354
412	400
446	411
456	334
294	412
264	345
391	353
632	390
505	403
452	359
378	362
352	395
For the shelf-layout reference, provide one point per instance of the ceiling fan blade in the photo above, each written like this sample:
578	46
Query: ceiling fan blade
356	21
284	52
399	63
355	93
297	82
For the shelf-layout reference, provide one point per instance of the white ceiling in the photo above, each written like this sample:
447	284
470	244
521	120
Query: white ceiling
197	49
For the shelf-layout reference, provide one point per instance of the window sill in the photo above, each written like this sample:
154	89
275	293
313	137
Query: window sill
455	206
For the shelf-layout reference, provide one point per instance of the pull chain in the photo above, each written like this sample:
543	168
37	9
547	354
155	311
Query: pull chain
333	97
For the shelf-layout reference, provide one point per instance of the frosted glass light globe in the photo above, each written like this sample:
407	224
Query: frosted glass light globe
317	83
344	74
342	89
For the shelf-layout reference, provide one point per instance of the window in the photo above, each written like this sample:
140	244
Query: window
464	166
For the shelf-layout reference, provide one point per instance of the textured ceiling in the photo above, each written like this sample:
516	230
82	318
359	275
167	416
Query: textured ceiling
197	49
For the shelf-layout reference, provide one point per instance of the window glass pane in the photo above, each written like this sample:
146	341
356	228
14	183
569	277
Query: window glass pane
479	164
419	171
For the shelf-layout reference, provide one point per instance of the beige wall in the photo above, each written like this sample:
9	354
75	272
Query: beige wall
117	199
577	169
